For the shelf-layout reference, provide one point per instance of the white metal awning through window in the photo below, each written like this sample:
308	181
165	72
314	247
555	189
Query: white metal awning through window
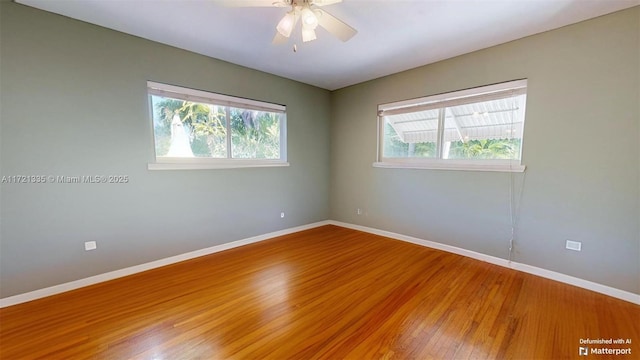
499	118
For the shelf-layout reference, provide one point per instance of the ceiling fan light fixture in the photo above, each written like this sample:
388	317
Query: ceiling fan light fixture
309	19
285	26
308	34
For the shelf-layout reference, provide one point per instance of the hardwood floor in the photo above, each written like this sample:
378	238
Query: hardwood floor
325	293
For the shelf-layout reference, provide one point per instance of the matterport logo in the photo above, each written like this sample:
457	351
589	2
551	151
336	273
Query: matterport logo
604	350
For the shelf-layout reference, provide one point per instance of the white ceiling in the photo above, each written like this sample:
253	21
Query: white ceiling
392	35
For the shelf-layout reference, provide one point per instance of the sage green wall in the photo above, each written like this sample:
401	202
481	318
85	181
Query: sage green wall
580	147
73	102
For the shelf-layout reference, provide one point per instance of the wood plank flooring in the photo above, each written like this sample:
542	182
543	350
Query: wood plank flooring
325	293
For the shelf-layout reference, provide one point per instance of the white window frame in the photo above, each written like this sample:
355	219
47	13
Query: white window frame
442	101
197	163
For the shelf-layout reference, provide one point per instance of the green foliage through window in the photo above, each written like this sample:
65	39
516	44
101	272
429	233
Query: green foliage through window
191	129
477	127
485	149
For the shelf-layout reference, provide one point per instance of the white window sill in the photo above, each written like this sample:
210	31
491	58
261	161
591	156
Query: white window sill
216	164
451	165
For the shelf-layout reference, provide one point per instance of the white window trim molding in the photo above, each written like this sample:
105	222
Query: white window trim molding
455	96
210	164
183	93
460	165
482	93
203	163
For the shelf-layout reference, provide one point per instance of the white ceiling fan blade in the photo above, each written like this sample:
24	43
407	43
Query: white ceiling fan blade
336	27
325	2
279	39
251	3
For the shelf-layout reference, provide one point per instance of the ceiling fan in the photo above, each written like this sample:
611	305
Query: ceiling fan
308	11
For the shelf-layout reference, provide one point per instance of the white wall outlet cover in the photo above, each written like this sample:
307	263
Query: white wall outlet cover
574	245
90	245
282	214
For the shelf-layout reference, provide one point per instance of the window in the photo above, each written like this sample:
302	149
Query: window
474	129
195	129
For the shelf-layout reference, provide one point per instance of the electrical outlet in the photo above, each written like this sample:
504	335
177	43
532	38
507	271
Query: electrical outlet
282	215
574	245
359	211
90	245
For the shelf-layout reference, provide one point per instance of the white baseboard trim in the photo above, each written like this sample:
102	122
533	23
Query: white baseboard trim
76	284
586	284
